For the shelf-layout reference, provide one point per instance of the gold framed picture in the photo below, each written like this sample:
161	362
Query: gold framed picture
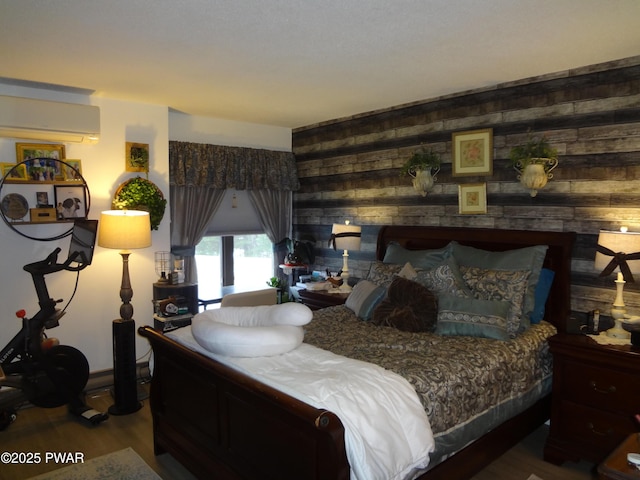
137	157
13	171
472	153
72	171
472	198
27	151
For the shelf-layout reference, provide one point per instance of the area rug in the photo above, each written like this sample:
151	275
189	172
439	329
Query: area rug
124	464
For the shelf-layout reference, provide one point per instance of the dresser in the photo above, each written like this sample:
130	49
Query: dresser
596	393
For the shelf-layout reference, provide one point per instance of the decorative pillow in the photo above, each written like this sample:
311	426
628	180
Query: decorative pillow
251	331
408	272
528	258
505	285
542	294
382	274
444	279
408	306
398	254
472	317
364	297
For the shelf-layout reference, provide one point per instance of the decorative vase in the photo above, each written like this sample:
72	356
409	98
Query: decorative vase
536	174
423	179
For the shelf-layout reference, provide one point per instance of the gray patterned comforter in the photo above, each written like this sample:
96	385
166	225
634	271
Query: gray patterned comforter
457	378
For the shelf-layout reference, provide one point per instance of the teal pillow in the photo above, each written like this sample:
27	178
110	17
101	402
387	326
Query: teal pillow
505	285
444	279
472	317
542	293
528	258
364	298
396	253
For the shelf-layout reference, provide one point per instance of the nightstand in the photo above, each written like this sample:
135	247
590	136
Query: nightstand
595	397
317	299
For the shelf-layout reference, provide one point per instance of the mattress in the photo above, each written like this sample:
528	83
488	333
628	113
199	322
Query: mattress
467	385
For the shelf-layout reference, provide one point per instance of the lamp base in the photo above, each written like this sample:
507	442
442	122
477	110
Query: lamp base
125	385
618	332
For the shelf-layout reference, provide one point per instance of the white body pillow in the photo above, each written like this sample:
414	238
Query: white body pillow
251	331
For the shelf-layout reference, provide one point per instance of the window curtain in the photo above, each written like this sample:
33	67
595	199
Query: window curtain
200	173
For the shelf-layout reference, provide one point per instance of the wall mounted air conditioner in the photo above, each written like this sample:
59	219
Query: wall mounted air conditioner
27	118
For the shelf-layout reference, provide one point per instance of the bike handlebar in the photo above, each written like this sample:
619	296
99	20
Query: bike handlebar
51	265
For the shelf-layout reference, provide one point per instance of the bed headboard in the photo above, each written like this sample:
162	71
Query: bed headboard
558	259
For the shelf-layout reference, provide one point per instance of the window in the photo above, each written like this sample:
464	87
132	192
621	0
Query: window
235	250
245	261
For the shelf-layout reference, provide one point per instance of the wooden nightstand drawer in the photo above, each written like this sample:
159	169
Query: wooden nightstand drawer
600	387
596	432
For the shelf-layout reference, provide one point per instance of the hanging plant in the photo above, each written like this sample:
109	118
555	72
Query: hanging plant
141	194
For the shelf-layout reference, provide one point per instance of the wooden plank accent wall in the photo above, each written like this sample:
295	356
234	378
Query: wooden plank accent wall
349	168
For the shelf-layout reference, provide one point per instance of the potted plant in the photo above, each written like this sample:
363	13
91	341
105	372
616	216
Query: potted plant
423	166
141	194
534	161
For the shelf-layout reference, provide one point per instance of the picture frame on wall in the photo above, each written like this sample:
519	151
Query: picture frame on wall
26	151
71	201
72	170
13	171
137	157
472	198
472	153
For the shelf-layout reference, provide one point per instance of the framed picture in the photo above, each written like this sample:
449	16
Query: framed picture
72	170
472	153
26	151
137	157
472	198
14	171
42	199
71	201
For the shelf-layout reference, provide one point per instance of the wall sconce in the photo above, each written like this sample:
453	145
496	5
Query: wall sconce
611	256
345	237
534	161
423	166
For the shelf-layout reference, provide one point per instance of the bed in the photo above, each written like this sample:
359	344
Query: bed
221	423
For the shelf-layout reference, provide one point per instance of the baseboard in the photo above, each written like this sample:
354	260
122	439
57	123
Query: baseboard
103	379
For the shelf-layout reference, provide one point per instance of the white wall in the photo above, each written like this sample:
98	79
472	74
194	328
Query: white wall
87	324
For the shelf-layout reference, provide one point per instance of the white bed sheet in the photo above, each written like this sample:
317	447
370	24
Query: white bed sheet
387	432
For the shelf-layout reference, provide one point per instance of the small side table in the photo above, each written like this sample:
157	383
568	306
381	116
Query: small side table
318	299
616	467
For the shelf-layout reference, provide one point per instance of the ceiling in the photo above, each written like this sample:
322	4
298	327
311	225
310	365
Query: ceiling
293	63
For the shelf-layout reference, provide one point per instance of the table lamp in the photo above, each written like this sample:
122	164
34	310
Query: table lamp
345	237
611	255
124	230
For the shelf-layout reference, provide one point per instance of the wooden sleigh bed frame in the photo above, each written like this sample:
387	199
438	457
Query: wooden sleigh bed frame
222	424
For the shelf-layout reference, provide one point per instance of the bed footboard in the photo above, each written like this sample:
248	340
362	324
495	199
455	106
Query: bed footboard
221	424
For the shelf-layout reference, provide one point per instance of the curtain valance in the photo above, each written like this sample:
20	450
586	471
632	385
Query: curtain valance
221	167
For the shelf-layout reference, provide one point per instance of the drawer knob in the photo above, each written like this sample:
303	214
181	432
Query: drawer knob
599	432
606	391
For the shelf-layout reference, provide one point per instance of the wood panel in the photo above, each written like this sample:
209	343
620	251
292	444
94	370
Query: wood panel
349	167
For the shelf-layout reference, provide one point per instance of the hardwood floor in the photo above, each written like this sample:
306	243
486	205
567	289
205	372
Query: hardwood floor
53	430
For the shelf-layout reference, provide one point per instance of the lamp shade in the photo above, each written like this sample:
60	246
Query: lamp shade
618	250
124	229
345	236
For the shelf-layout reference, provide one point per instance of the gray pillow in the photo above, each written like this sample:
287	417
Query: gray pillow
472	317
444	279
382	274
505	285
396	253
528	258
364	298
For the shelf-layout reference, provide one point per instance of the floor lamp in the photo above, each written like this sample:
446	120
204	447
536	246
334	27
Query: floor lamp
345	237
124	230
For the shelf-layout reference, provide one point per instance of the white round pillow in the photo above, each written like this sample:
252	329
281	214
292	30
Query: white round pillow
251	331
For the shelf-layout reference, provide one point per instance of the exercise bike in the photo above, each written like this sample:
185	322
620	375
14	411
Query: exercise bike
42	371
